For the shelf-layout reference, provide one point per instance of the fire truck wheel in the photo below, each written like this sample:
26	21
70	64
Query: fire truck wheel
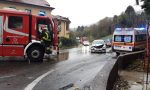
35	54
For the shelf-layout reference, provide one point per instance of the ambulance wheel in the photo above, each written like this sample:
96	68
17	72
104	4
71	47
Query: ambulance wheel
35	54
117	54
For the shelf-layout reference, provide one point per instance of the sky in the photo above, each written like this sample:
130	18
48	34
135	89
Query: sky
87	12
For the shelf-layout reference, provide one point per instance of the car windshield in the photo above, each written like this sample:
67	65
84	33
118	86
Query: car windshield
86	42
108	40
98	42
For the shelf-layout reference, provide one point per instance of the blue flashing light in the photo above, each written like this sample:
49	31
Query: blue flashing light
141	26
41	14
118	29
117	26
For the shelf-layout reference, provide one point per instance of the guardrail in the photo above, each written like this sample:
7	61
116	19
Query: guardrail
122	62
107	77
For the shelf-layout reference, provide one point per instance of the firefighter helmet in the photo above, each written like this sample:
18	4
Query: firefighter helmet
43	28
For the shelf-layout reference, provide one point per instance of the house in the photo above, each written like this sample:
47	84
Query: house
37	7
33	6
63	26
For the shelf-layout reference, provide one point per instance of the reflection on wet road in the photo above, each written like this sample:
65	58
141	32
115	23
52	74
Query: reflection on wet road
77	66
85	49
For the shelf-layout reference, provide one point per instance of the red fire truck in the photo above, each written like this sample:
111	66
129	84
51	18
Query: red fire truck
20	34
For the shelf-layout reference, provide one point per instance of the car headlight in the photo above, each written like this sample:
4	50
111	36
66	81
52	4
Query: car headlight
104	46
92	47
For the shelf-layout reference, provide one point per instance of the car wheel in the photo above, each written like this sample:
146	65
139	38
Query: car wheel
35	54
105	51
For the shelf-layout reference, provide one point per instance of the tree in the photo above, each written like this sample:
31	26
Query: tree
80	28
131	16
130	11
137	2
145	6
123	20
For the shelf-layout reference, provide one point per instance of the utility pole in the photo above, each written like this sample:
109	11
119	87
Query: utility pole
147	55
147	52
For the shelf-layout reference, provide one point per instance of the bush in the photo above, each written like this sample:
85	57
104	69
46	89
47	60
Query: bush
67	42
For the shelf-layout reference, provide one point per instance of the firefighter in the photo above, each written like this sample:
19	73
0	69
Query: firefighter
46	39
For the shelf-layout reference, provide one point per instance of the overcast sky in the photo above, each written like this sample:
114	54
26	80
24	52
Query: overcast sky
87	12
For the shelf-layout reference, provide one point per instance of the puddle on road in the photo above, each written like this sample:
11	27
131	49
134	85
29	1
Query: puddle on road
63	56
13	65
85	49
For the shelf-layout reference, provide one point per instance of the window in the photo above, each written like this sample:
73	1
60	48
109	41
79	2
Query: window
45	23
118	38
128	38
28	10
13	7
139	38
15	22
67	25
1	24
123	38
43	12
98	42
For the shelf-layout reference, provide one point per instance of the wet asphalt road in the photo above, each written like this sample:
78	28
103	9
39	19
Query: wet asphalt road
72	68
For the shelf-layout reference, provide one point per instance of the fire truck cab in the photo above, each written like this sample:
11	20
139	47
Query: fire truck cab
20	34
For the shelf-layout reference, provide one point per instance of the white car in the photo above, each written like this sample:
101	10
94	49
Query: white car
86	43
98	46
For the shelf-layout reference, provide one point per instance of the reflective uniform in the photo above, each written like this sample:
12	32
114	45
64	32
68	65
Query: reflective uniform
46	39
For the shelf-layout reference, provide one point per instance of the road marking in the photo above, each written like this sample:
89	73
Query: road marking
7	76
32	85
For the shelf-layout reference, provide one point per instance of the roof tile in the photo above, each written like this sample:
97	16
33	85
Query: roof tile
42	3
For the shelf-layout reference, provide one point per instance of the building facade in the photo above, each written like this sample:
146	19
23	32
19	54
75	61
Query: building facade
63	27
37	7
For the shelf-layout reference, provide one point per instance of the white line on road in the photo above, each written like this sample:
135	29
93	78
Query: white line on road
32	85
7	76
